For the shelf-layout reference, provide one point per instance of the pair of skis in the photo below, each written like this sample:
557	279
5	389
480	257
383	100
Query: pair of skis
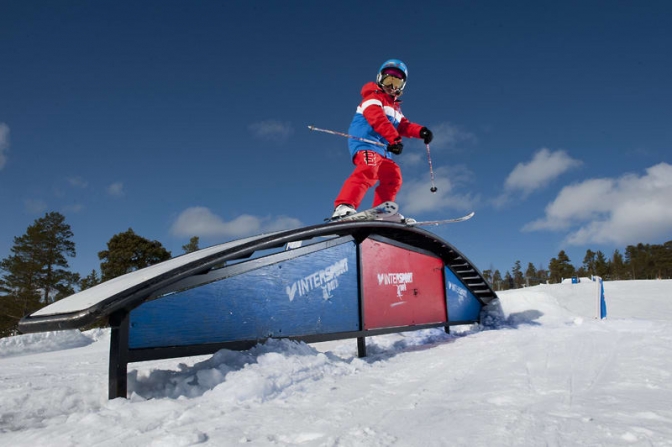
389	211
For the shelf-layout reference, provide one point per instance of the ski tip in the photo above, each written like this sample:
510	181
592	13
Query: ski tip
427	223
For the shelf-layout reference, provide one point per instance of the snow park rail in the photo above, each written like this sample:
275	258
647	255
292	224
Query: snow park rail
319	283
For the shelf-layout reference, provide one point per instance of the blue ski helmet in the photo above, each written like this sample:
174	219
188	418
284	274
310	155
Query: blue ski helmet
392	65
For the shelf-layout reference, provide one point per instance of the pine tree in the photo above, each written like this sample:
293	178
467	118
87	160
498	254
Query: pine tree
487	276
92	279
127	252
589	263
36	272
618	268
517	274
640	260
601	265
508	281
663	260
531	275
191	246
561	267
497	280
542	274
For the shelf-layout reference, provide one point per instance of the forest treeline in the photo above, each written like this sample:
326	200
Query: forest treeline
37	273
641	261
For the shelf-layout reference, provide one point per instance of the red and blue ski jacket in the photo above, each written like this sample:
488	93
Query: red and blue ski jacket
379	118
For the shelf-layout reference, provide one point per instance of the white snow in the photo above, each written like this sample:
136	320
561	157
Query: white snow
547	374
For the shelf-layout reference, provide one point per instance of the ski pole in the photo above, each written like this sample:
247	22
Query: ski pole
431	170
334	132
377	143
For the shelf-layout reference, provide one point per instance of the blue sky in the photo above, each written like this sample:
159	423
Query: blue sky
552	119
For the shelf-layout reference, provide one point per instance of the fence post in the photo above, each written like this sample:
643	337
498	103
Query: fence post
601	308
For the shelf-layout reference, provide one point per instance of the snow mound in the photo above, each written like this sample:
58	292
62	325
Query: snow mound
46	342
275	369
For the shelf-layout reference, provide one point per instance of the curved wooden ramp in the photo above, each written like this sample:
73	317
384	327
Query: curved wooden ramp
318	283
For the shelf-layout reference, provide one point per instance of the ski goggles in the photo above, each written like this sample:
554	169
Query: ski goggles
392	81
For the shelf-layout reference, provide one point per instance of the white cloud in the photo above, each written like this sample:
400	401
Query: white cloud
77	182
447	135
545	167
4	144
536	174
75	208
415	195
116	189
280	223
35	206
626	210
200	221
272	130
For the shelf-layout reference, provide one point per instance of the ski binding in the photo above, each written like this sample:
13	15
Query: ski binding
379	212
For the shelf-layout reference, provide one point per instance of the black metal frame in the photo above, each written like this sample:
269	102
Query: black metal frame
121	355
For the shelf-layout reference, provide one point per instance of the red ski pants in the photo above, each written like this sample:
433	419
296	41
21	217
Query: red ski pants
370	167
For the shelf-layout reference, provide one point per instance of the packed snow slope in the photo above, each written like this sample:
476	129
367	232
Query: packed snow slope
545	373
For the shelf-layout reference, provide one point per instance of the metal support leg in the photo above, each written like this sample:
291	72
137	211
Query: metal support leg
361	347
118	380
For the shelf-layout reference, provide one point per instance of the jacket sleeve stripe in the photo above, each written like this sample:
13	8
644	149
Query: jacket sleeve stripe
369	102
396	115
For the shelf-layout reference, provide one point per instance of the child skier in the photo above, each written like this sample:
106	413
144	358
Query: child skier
378	118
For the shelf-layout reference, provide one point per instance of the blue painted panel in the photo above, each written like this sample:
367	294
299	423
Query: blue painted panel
315	293
462	304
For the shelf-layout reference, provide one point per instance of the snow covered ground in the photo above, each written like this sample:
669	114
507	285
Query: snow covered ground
549	374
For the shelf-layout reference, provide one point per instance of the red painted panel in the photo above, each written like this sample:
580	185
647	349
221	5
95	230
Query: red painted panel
400	287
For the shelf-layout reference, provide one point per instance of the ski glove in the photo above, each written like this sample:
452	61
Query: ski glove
426	135
396	147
